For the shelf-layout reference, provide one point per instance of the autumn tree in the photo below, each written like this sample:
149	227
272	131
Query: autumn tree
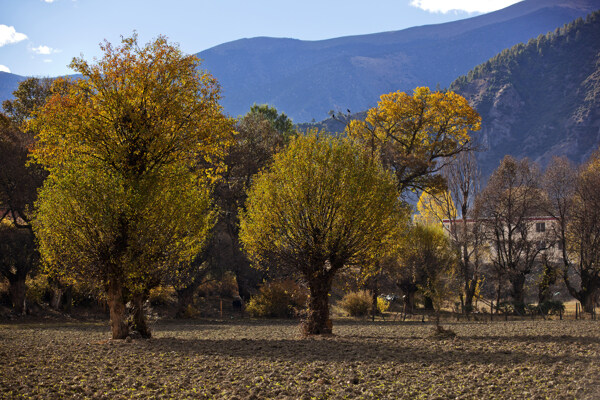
278	121
463	225
18	259
30	95
19	182
574	201
417	134
509	204
428	261
125	199
324	204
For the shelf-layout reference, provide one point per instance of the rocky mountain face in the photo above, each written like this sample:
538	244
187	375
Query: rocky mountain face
541	98
307	79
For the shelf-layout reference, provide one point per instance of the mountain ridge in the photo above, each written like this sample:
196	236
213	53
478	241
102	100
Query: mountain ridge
306	79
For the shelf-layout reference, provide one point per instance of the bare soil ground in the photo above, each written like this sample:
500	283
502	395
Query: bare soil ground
246	359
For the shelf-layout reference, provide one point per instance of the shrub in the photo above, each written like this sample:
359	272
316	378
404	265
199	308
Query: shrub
505	307
279	299
551	307
357	304
382	305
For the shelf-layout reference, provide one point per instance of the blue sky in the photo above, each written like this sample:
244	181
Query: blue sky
40	37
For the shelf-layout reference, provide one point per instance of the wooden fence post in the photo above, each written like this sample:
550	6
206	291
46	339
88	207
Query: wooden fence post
560	313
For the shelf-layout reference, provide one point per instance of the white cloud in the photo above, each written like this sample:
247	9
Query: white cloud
48	1
9	35
43	50
4	68
47	60
470	6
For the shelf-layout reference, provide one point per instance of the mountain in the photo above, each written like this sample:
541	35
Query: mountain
540	99
306	79
8	84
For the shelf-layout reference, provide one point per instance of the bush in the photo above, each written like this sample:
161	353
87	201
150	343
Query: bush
551	307
505	307
382	305
357	304
280	299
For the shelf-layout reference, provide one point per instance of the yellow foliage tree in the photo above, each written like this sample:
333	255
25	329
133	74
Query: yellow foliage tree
125	199
415	133
433	209
323	205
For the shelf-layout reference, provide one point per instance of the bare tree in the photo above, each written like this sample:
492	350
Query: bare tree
463	224
574	200
509	205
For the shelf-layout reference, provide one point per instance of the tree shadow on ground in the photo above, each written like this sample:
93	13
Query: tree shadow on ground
339	349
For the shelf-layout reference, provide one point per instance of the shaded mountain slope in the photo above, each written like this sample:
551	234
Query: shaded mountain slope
541	98
306	79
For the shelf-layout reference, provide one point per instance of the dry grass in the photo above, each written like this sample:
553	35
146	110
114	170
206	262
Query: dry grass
269	359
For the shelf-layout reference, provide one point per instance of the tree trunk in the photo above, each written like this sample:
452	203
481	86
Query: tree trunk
139	322
518	292
374	308
185	298
588	300
17	291
470	287
590	286
68	298
57	297
428	303
317	318
116	303
408	295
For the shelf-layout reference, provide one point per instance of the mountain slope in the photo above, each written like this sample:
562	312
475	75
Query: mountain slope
307	79
8	84
541	98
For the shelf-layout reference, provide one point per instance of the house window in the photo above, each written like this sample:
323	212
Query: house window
540	227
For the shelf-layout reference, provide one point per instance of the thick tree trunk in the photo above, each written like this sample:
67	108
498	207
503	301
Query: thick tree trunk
116	303
317	319
139	321
17	291
590	287
517	292
408	295
588	300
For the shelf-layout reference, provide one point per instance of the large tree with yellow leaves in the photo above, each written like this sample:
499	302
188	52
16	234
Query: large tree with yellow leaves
323	205
417	134
125	199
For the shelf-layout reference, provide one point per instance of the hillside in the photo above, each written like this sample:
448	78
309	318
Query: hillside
541	98
8	84
306	79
